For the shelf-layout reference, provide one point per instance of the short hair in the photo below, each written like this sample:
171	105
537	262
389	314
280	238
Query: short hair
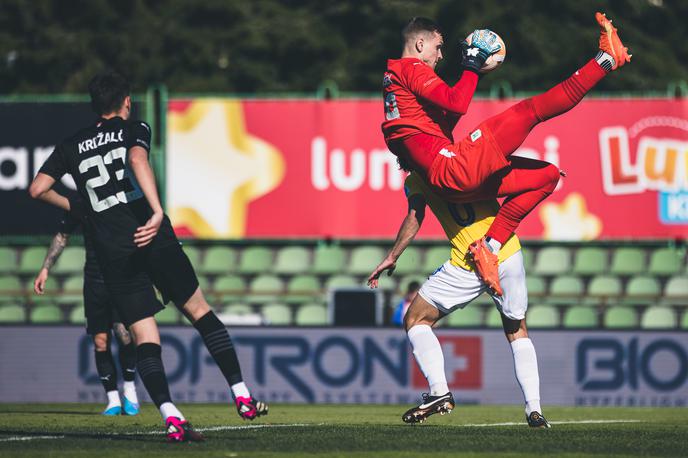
419	25
413	286
108	91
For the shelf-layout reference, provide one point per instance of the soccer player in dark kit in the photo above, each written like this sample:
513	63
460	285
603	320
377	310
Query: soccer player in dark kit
135	244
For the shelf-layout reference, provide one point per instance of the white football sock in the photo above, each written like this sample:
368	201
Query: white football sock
605	60
494	245
113	399
129	391
428	353
167	409
526	368
240	390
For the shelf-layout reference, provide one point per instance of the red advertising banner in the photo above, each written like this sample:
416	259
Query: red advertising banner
304	168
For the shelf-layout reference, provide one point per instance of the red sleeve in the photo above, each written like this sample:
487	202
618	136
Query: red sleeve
426	84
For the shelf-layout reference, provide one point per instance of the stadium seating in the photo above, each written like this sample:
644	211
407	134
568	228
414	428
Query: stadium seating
658	317
620	284
70	261
470	316
684	320
8	260
168	315
618	317
542	316
628	261
311	315
12	313
76	315
46	313
580	317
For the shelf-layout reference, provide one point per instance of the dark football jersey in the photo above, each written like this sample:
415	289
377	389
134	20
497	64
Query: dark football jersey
96	157
70	224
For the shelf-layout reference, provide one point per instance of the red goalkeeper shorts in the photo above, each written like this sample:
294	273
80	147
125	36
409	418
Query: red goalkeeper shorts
461	171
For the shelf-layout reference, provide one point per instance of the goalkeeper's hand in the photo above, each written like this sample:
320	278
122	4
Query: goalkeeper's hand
484	43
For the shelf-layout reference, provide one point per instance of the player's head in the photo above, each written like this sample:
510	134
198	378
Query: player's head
423	39
110	94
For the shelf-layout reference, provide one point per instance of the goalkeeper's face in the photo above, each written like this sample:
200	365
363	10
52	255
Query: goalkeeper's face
431	52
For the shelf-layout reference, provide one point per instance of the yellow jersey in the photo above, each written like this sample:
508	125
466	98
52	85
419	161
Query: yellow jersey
463	223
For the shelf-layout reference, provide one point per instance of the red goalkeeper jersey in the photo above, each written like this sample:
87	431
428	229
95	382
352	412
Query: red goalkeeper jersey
417	101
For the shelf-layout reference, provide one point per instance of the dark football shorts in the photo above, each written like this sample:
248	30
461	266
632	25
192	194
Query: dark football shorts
172	274
130	287
98	307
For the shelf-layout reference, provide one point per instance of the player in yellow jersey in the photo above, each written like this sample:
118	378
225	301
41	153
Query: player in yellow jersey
453	286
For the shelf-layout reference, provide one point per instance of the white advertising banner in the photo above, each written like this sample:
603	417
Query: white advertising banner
364	365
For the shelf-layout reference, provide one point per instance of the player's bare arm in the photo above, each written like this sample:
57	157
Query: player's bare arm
138	160
57	246
41	189
407	232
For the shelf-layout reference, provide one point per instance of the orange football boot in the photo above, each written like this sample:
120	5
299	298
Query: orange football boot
486	264
611	43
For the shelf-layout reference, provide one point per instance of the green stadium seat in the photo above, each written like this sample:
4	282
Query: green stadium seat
46	313
364	259
265	288
238	309
434	258
658	317
566	289
580	317
605	286
469	317
493	319
72	290
620	317
483	299
229	288
387	283
311	315
552	260
628	261
52	291
303	288
341	281
194	255
168	315
409	262
590	261
276	314
10	286
70	261
218	260
542	316
666	261
535	285
292	260
255	260
32	259
12	313
204	283
76	315
528	256
328	259
642	290
677	288
8	260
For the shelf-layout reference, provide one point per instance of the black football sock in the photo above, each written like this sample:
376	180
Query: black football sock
127	361
220	346
107	372
152	372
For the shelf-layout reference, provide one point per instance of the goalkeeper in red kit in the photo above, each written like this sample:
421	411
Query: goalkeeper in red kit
421	112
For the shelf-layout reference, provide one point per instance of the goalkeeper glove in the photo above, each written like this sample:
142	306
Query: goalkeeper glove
483	44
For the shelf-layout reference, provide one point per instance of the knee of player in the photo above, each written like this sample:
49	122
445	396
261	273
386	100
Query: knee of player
100	341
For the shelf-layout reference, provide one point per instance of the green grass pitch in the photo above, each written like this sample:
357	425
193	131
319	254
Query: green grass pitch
77	430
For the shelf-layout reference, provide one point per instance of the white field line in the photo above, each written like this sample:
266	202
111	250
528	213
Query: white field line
302	425
28	438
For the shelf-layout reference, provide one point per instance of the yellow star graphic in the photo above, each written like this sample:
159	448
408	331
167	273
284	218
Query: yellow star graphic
569	220
215	168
